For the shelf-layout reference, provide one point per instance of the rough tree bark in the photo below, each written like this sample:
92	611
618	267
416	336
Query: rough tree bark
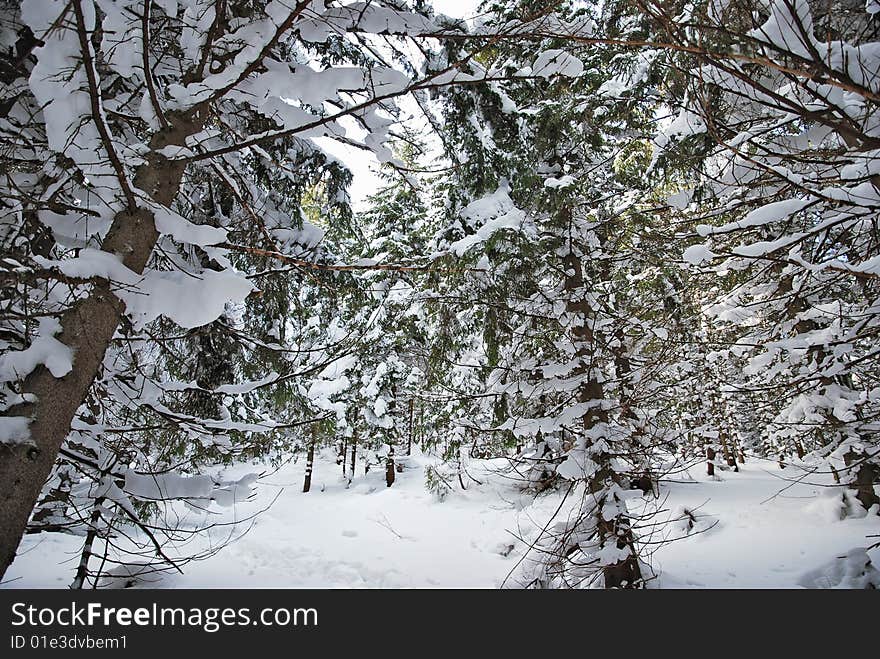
87	328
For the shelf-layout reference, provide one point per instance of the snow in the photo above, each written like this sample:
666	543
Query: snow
189	299
686	124
44	349
680	200
64	99
855	570
782	28
766	536
169	485
184	231
492	213
562	182
455	8
764	526
14	429
772	212
696	254
756	528
557	62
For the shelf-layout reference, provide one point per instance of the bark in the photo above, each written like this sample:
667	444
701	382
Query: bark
310	460
389	467
343	457
82	570
625	573
409	440
710	461
460	468
867	475
354	448
729	457
87	328
644	483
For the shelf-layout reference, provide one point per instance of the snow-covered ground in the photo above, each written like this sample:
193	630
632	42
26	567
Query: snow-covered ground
758	530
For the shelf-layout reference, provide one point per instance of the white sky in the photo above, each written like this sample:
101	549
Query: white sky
362	163
456	8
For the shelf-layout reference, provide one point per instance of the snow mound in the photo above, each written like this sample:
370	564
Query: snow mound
854	570
835	504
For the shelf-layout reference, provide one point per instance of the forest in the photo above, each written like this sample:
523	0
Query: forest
532	294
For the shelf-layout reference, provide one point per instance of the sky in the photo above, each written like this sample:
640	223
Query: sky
362	163
456	8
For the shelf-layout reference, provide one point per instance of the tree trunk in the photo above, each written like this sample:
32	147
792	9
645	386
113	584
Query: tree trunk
342	453
354	448
460	467
389	467
866	477
729	456
710	461
87	329
409	439
310	459
82	570
624	573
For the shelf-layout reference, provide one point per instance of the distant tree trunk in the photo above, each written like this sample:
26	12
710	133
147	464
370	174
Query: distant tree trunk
354	448
341	452
422	425
310	459
460	468
409	440
389	467
727	449
710	461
